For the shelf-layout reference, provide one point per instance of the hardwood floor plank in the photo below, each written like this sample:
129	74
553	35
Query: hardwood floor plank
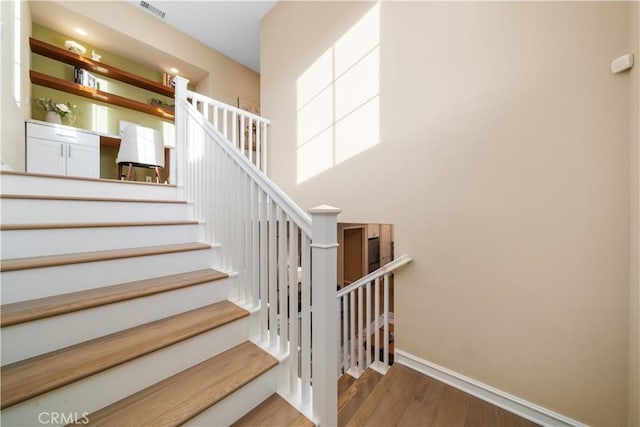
452	410
183	396
78	258
351	399
32	377
362	415
25	311
274	411
424	404
481	413
344	382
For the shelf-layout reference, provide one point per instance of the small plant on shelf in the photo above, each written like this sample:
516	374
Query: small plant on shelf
57	111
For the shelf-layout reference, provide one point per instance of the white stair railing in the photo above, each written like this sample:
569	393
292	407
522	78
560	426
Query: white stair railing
363	315
246	131
270	244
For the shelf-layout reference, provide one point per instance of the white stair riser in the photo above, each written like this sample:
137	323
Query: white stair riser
29	211
41	336
22	285
30	243
35	185
239	403
102	389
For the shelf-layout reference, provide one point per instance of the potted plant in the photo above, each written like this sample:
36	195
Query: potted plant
55	112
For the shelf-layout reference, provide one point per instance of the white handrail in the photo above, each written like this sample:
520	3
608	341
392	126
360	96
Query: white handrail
204	98
387	268
300	217
246	131
360	314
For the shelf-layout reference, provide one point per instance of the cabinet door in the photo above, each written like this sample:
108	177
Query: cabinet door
44	156
83	160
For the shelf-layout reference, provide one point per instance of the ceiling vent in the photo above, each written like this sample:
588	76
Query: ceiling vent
152	9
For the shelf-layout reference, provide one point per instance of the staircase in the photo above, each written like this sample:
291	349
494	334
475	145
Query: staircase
112	315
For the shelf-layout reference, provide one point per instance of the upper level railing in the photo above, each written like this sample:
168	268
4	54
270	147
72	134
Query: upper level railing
246	131
361	344
268	242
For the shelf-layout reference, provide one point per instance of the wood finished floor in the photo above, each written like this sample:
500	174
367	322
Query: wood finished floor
404	397
275	411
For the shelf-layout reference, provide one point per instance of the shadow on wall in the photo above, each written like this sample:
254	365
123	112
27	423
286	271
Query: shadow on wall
338	105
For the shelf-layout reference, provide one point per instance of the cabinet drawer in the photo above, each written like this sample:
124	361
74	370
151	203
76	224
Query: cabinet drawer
62	134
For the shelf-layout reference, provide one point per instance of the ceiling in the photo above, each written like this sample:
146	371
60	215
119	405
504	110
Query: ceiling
231	27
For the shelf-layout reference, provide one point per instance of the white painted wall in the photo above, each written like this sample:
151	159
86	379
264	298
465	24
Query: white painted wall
496	140
14	111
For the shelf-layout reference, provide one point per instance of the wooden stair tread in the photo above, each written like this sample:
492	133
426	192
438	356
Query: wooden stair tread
26	311
53	226
82	178
274	411
181	397
77	258
354	396
89	199
32	377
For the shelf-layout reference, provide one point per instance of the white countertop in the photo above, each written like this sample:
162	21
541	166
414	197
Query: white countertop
72	128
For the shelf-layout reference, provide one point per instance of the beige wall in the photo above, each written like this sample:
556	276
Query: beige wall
12	115
501	154
634	290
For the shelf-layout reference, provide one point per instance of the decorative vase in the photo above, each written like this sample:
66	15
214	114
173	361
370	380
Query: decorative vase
53	117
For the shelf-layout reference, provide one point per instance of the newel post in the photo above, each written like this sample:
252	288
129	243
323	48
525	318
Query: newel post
181	131
324	339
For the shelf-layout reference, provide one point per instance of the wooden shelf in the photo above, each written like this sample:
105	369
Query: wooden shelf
96	95
53	52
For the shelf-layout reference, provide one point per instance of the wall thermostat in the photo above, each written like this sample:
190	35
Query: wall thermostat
622	63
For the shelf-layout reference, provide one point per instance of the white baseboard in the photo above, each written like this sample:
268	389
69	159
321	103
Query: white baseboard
516	405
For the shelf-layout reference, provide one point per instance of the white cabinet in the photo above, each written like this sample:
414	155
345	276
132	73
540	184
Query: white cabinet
62	150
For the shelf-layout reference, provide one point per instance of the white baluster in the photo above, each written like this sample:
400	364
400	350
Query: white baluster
255	241
345	333
325	317
242	134
368	323
305	297
360	330
264	284
234	129
352	335
273	266
250	154
247	241
386	321
205	110
293	308
282	278
257	144
264	149
376	339
215	117
225	124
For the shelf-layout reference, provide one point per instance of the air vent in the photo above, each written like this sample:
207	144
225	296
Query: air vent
154	10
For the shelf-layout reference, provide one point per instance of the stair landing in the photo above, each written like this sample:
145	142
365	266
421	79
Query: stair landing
404	397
